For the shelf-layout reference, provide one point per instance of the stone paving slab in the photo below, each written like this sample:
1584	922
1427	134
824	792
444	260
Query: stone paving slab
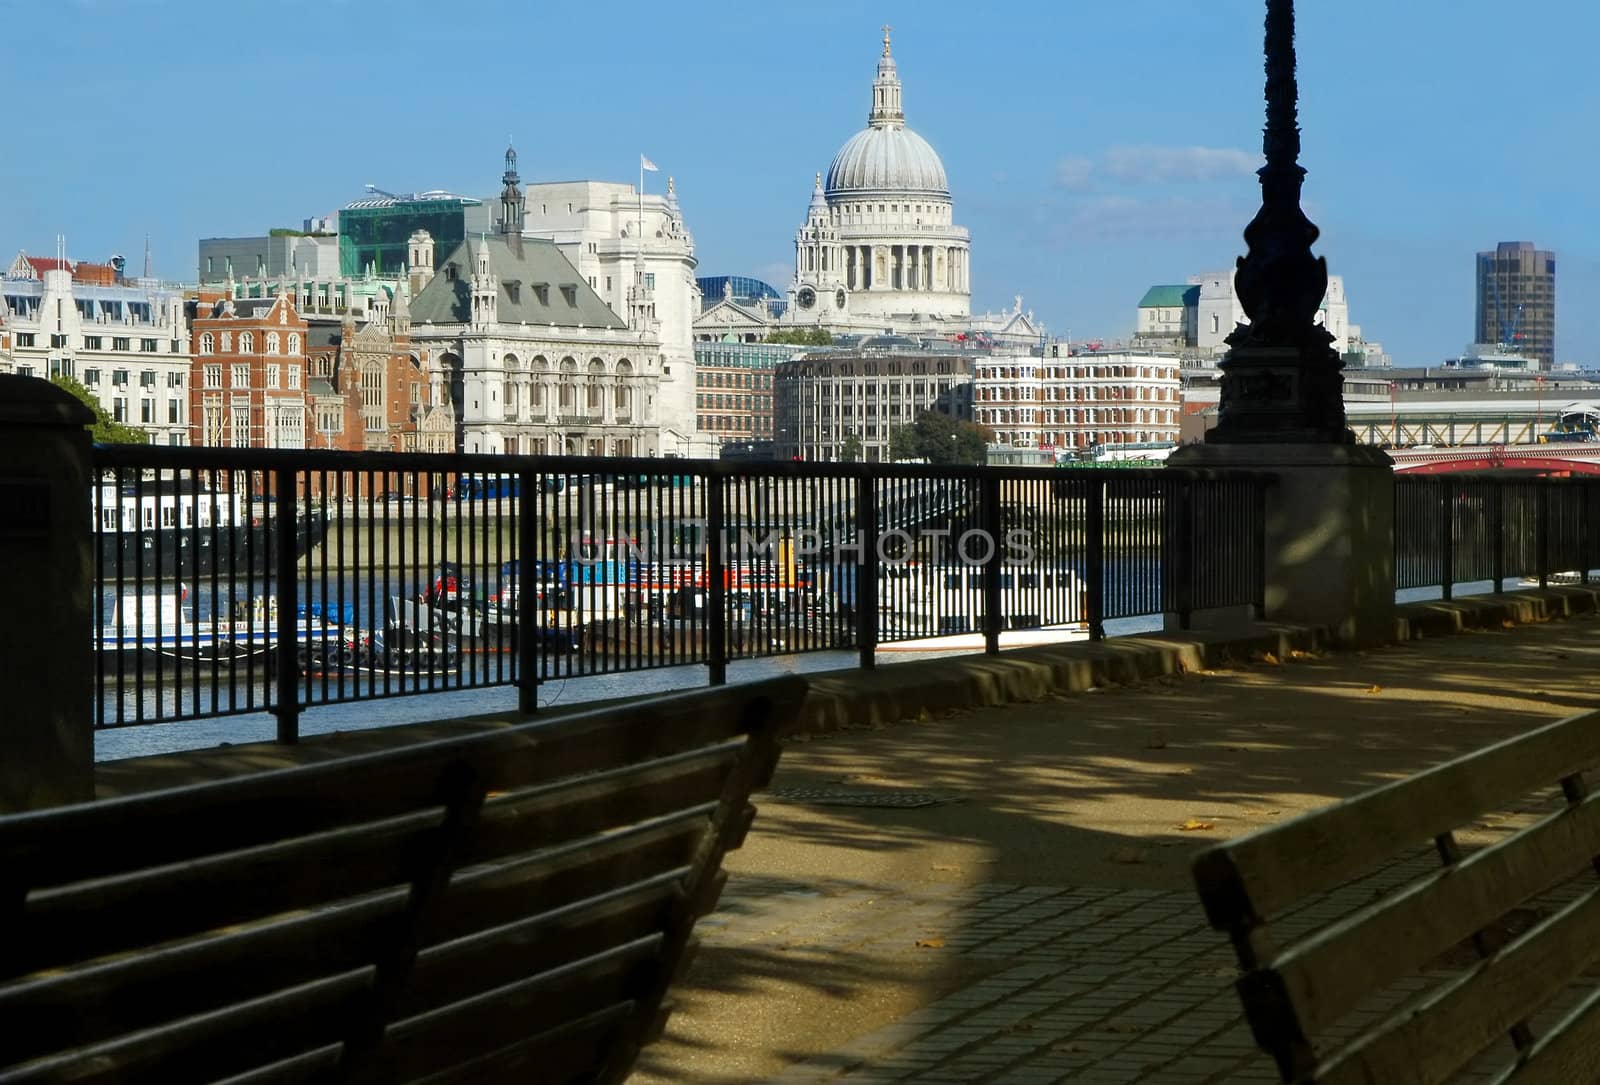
1089	959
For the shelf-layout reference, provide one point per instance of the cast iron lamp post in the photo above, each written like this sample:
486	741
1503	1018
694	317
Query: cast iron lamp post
1281	380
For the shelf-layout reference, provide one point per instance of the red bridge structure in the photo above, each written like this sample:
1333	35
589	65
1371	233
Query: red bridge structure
1547	459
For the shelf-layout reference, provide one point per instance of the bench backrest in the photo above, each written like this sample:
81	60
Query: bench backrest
1410	977
456	910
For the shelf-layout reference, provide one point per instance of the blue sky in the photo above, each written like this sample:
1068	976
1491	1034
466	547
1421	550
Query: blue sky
1093	149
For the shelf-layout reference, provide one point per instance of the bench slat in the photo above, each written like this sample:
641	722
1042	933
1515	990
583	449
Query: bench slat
216	1043
567	1053
601	840
1245	881
74	843
545	943
1568	1054
172	902
1468	1014
1328	974
491	1021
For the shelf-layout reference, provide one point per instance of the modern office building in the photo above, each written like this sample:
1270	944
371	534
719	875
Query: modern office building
823	400
733	382
279	253
1516	298
375	232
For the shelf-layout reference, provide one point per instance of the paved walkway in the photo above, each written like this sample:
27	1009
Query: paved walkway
1003	895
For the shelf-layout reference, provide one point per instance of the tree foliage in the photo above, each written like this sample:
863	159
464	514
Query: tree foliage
850	450
105	430
805	337
936	437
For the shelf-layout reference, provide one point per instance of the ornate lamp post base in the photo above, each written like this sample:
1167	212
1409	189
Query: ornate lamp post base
1281	395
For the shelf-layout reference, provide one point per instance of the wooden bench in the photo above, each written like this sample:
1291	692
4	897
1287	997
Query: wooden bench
509	905
1436	960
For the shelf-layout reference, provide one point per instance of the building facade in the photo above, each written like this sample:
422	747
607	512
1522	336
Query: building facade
126	341
248	384
879	250
375	232
1065	402
635	252
370	390
1196	318
734	382
1516	301
824	401
281	253
529	357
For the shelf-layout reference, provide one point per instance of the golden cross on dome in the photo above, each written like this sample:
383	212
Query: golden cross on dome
886	29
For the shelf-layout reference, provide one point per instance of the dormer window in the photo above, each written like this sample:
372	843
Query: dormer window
451	272
542	292
514	291
569	291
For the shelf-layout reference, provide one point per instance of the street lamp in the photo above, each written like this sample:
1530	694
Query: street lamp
1281	379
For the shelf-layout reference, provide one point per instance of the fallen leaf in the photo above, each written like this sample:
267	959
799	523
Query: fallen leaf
1269	659
1191	825
1374	689
1507	623
1120	1026
930	943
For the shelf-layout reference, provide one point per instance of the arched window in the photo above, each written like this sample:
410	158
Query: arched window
294	342
247	343
272	342
206	343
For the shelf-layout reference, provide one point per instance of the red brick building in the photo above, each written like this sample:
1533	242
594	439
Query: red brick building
249	382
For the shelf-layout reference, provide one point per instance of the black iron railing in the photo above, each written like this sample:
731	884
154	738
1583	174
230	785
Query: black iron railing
240	581
1454	529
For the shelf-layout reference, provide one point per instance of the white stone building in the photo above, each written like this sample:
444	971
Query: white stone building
879	250
1200	315
635	254
127	342
532	359
1064	401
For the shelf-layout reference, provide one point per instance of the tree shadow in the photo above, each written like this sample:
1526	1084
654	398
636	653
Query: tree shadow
1114	790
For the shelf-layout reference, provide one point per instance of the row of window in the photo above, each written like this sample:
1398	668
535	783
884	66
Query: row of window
1090	416
733	403
239	374
149	412
1077	372
148	378
757	426
1011	393
27	340
715	379
247	343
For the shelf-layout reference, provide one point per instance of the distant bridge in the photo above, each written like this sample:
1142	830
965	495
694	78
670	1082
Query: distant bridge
1578	458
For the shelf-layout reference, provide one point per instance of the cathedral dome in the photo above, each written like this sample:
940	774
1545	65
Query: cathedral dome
887	158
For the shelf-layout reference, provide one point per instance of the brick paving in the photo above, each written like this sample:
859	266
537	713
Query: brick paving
1098	985
1079	952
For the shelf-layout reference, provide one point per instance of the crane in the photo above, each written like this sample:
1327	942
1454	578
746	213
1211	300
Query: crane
1508	333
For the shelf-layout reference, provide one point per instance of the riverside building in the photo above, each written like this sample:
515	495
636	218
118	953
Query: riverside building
125	340
1064	402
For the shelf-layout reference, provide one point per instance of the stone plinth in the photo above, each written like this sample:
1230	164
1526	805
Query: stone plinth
1329	532
46	657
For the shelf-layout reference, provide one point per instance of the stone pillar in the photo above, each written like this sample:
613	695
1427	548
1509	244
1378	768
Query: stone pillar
46	540
1329	534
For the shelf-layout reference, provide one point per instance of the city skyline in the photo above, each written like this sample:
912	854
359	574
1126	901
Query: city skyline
1091	153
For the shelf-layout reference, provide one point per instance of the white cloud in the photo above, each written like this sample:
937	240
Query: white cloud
1146	164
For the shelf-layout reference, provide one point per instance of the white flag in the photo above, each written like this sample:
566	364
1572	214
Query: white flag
646	164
